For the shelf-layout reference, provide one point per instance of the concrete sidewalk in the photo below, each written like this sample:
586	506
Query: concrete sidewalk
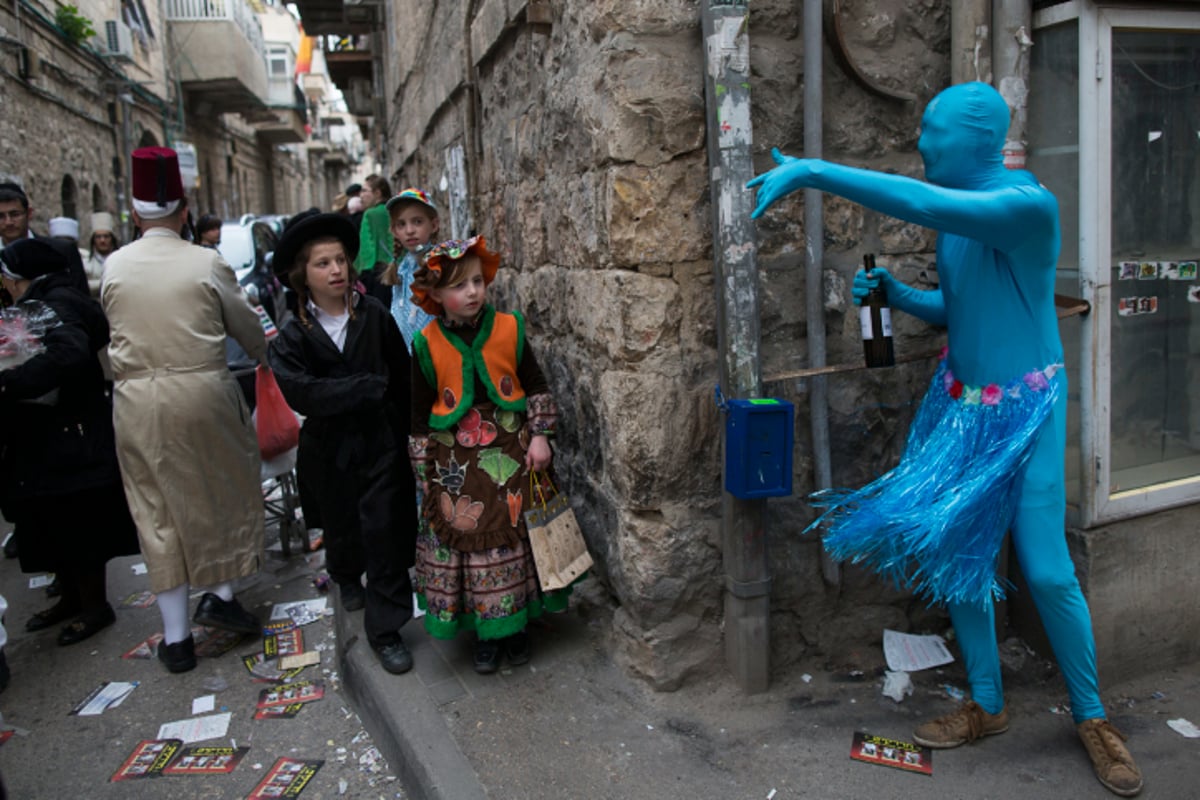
571	724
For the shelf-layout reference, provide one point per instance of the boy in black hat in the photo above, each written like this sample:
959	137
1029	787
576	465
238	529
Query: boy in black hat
342	363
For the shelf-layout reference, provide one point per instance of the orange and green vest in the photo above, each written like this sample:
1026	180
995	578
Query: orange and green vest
450	365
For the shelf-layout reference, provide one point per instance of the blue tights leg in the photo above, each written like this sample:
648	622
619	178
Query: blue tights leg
1050	574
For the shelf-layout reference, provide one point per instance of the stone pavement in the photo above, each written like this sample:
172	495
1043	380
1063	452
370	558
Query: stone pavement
572	724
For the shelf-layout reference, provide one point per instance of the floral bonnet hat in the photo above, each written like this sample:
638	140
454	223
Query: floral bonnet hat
435	260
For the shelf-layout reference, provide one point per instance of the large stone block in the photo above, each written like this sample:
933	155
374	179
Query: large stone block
667	655
659	438
658	214
647	115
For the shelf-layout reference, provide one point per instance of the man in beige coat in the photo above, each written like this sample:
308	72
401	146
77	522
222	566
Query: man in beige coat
188	451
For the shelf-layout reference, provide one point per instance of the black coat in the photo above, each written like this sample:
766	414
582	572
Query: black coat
354	441
60	482
355	402
58	448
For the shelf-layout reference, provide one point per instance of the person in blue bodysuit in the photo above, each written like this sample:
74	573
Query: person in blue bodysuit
986	450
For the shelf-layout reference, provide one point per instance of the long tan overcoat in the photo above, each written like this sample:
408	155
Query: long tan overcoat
187	448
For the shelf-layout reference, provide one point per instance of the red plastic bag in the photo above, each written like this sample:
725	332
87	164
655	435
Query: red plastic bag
278	428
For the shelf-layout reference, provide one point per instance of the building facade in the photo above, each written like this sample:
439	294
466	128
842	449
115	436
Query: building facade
83	85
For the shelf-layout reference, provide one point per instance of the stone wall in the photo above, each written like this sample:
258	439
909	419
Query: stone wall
583	128
56	129
61	124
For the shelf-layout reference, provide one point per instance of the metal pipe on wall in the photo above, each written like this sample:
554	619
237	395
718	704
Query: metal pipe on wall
814	257
1011	25
747	601
970	47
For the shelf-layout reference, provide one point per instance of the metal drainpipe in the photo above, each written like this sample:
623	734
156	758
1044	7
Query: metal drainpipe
814	257
970	50
1011	23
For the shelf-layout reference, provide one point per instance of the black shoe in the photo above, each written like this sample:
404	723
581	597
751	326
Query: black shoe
59	612
54	588
5	675
354	597
228	615
86	625
178	657
516	648
487	656
394	657
10	547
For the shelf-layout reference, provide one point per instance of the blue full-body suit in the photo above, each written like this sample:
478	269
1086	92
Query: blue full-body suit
997	247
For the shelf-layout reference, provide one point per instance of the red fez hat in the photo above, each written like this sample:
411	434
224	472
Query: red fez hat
156	177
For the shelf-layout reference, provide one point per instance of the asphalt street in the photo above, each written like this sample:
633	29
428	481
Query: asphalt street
53	753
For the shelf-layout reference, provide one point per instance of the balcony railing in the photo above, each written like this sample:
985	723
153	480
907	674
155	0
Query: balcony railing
235	11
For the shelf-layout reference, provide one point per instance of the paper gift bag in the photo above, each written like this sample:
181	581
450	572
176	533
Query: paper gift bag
559	549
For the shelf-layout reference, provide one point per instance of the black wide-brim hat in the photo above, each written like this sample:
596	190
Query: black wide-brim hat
302	229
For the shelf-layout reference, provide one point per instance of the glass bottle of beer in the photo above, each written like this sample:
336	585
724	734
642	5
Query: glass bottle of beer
875	318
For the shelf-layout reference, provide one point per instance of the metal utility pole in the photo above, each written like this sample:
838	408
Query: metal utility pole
744	545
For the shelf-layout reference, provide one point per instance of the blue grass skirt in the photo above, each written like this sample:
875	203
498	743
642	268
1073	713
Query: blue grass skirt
935	523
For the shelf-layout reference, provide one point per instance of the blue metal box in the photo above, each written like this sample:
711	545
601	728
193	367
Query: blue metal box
758	447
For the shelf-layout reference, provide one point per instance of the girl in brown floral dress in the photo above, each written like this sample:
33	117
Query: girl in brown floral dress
482	418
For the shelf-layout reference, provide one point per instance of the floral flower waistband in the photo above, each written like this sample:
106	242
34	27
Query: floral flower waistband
990	395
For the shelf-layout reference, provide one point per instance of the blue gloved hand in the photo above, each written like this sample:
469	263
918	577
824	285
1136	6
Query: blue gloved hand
784	179
866	281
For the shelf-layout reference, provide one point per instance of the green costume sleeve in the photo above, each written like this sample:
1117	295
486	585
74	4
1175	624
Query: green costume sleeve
375	239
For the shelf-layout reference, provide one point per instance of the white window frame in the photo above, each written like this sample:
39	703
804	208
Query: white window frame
279	52
1099	505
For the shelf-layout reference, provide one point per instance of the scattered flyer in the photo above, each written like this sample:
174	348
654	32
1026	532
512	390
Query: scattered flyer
286	778
288	693
301	612
147	760
1184	728
279	712
138	600
38	581
196	729
268	669
284	643
146	649
211	643
204	704
891	753
300	660
907	652
203	760
273	628
109	694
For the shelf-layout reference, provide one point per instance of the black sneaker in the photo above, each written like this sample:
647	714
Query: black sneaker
228	615
354	596
516	649
487	656
394	657
178	657
5	675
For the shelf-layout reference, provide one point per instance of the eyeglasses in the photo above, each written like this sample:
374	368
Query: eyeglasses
13	215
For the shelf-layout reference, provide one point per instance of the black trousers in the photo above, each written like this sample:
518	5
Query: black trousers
369	520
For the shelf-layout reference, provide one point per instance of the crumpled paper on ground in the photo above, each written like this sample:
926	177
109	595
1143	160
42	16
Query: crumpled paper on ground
897	685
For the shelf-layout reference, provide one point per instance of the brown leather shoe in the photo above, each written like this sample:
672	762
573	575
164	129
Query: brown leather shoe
965	724
1113	764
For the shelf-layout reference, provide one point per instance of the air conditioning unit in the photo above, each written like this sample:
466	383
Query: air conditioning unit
118	40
